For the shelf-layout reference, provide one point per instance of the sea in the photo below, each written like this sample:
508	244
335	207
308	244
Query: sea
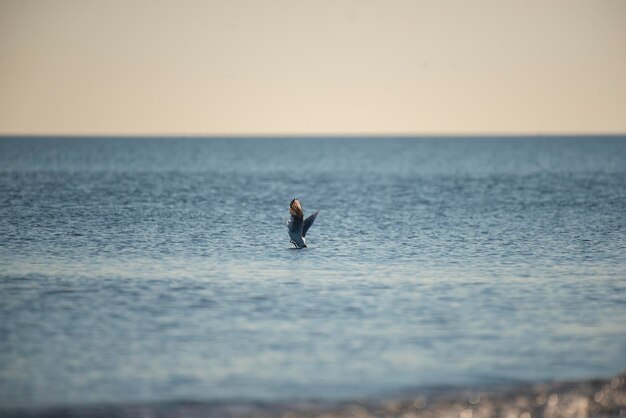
160	269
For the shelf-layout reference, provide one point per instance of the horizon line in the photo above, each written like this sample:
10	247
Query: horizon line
312	135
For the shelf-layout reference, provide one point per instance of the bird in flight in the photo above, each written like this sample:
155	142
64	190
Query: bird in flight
297	225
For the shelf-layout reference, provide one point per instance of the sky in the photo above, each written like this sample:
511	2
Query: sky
292	67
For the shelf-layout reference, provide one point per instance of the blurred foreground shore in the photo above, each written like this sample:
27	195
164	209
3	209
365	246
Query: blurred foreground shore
582	399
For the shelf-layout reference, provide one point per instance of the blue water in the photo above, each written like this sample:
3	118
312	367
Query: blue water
160	269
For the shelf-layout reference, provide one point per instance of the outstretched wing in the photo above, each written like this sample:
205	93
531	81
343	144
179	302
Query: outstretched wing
308	222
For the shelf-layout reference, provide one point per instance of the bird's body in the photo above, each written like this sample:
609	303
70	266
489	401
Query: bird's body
297	225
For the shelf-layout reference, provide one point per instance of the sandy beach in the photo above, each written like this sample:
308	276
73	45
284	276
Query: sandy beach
582	399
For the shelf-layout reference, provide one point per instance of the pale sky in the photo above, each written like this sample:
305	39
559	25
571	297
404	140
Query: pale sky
312	67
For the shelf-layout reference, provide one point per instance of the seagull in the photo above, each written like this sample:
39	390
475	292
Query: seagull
297	226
